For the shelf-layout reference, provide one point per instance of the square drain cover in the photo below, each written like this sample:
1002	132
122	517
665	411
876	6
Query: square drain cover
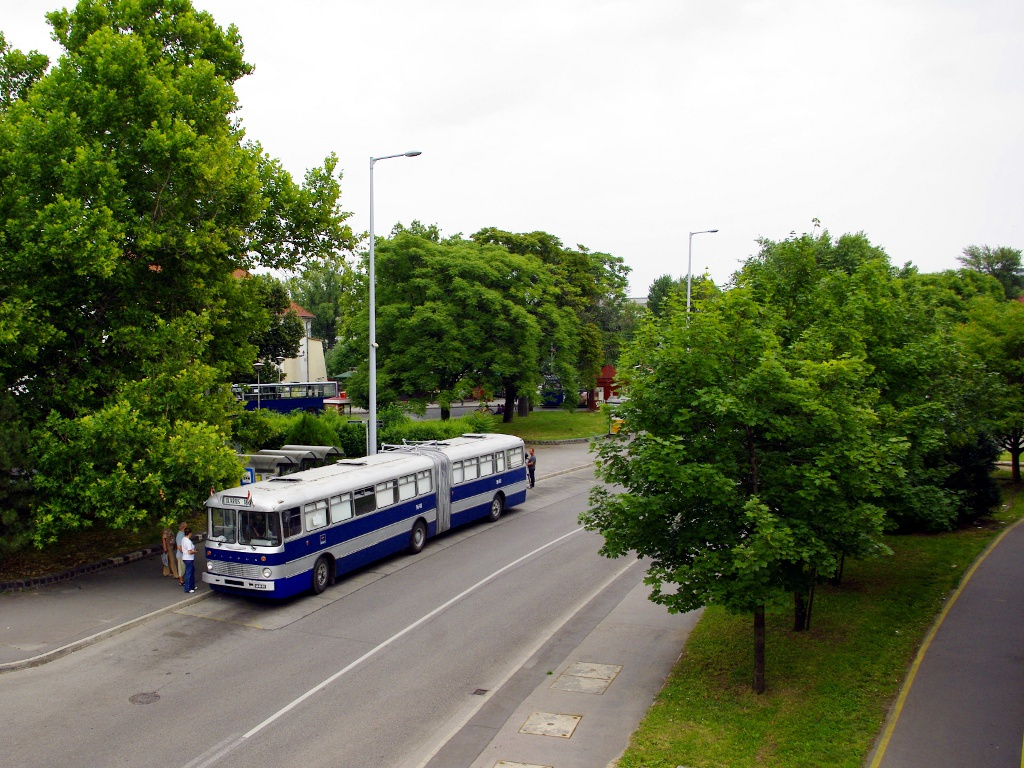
547	724
585	677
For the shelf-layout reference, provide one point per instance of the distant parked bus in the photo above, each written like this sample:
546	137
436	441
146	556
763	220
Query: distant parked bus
299	532
286	397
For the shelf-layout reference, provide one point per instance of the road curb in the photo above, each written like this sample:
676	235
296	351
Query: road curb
64	650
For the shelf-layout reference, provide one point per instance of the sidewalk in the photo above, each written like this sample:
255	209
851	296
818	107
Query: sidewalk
962	705
45	622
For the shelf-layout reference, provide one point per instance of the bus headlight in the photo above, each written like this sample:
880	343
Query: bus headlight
209	565
267	573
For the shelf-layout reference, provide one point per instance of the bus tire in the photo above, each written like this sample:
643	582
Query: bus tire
497	507
321	574
418	537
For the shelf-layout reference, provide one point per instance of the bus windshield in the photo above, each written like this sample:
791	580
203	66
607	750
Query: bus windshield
258	529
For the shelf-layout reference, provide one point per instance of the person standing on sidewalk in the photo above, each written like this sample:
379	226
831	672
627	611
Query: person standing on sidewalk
188	554
170	554
177	553
531	465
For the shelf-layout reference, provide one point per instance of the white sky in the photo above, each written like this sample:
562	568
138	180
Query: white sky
622	126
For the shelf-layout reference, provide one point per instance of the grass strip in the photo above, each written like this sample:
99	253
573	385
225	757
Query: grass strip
829	689
555	424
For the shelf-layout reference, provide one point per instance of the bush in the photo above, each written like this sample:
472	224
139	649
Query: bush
308	429
254	430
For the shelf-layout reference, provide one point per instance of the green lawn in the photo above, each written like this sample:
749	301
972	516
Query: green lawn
555	424
829	689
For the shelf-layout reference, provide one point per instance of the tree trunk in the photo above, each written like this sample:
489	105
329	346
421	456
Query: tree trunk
759	649
1015	466
803	604
799	611
508	411
837	579
524	406
446	413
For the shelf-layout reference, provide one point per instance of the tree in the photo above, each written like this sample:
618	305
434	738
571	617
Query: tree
129	196
281	331
754	468
930	391
659	292
994	333
593	285
665	288
330	291
149	454
1004	264
455	313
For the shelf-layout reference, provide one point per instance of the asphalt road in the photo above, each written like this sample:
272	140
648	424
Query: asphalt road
384	669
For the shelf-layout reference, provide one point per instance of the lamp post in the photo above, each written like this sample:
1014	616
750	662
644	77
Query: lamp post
371	430
257	366
689	264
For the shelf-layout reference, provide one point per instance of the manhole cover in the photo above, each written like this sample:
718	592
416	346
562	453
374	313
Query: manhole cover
144	698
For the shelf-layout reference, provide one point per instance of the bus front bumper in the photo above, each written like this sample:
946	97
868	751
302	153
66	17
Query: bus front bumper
219	580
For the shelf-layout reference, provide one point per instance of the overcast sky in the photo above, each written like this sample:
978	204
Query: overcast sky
623	126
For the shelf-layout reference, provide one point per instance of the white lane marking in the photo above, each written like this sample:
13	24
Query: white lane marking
397	636
216	752
516	666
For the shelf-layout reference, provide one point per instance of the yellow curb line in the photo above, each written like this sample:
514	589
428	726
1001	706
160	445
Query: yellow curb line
894	715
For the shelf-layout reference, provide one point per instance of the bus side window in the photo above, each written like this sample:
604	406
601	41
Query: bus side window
386	493
365	501
457	473
406	487
486	465
424	482
316	515
341	507
499	461
292	522
515	458
471	468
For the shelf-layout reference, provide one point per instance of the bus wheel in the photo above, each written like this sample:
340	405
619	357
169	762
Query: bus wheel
321	575
497	506
418	537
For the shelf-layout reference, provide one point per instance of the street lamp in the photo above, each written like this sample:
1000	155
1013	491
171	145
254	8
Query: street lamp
371	430
257	366
689	264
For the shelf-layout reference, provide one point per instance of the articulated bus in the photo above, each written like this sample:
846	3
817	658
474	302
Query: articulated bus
299	532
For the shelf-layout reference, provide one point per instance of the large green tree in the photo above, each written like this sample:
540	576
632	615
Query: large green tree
453	314
591	284
749	466
931	393
128	197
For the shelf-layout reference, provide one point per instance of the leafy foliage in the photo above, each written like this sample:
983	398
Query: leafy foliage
1004	264
753	466
128	198
931	393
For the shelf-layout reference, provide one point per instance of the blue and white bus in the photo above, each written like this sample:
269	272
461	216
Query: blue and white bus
286	397
299	532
